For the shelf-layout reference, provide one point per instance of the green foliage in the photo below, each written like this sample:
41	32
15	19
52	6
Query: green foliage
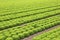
22	18
29	29
51	35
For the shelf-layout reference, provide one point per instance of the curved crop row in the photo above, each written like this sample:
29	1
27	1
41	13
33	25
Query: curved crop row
20	15
51	35
19	32
19	21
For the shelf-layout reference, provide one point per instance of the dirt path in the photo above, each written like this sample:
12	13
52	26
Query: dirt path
30	37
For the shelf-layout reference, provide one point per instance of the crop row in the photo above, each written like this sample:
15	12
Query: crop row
11	11
20	21
20	15
19	32
51	35
19	11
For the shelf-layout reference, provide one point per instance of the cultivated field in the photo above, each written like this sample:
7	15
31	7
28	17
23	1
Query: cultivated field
29	19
